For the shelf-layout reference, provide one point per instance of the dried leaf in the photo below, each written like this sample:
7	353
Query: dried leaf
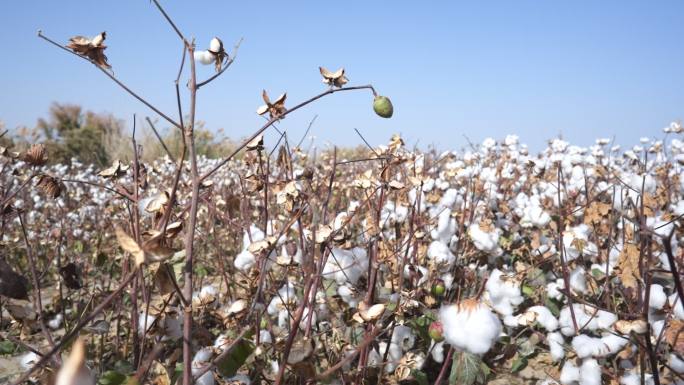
628	266
131	246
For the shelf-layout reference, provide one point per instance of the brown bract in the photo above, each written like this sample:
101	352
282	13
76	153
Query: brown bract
216	49
93	48
50	186
275	109
333	79
36	155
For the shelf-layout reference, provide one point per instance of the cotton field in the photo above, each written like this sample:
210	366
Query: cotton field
389	265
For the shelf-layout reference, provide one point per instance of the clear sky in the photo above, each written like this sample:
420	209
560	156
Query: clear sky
479	68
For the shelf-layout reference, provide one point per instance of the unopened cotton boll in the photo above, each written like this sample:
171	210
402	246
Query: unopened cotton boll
470	326
204	57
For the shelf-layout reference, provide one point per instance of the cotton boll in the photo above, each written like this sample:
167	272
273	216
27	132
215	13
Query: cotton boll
590	372
203	355
586	346
587	317
578	281
204	57
245	260
393	357
657	297
555	341
145	323
544	317
28	360
239	379
552	289
440	253
265	337
503	292
676	363
286	295
206	379
56	321
570	374
470	326
437	351
635	379
403	337
346	265
348	295
677	306
488	242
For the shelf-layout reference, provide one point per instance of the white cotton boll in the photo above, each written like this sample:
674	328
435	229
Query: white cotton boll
423	273
56	321
609	344
657	297
346	265
635	379
204	57
207	292
172	328
555	341
286	295
348	295
437	351
446	227
265	337
488	242
578	281
215	45
440	253
239	379
590	372
28	360
221	342
587	317
503	292
203	355
676	363
552	289
206	379
570	374
677	305
393	357
544	317
245	260
448	279
470	326
403	337
145	323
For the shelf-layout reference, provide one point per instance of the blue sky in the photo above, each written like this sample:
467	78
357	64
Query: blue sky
582	69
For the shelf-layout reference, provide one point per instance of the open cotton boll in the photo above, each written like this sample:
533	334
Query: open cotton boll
552	289
348	295
657	297
446	227
203	355
539	314
437	351
56	321
346	265
677	306
578	280
503	291
609	344
570	374
28	360
634	378
239	379
590	372
245	260
423	273
145	323
555	341
206	379
470	326
588	318
676	363
204	57
393	357
440	253
487	242
286	295
403	337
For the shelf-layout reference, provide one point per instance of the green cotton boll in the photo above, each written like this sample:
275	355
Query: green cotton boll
383	106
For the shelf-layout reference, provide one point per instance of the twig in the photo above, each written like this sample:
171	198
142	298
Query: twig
166	149
275	119
117	81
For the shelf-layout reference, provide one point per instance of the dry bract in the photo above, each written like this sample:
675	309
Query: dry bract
36	155
275	109
50	185
93	48
333	79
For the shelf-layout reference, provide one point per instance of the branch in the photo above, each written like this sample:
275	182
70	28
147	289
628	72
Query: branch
173	25
117	81
273	120
159	137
